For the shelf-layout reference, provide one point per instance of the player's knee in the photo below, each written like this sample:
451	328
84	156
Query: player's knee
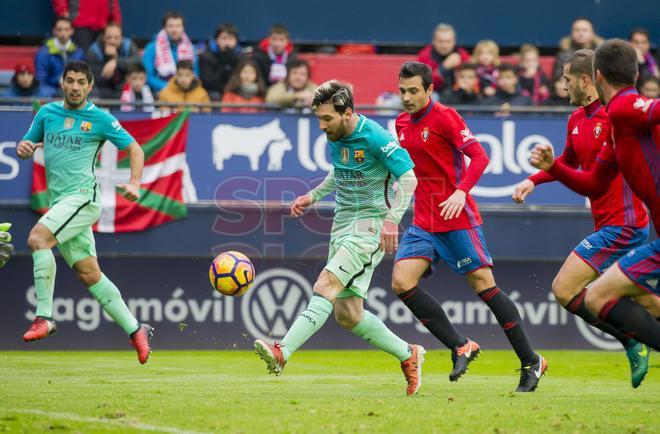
562	294
400	284
347	319
36	241
595	300
89	277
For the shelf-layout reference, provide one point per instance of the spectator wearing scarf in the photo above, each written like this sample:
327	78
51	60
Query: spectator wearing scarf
136	89
245	86
274	53
170	46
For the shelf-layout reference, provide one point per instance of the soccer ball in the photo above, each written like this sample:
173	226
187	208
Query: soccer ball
231	273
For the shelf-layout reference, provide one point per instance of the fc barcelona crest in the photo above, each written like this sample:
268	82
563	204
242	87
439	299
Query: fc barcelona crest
358	154
425	134
598	129
68	123
85	126
344	155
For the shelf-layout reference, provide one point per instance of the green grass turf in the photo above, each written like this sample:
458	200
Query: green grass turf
320	391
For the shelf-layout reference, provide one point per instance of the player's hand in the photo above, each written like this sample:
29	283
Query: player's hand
129	191
453	206
389	237
524	189
542	157
301	203
6	248
26	148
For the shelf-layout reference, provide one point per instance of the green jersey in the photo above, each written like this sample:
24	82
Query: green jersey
72	140
365	166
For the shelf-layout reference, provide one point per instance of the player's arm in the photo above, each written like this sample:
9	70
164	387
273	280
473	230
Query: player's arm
406	185
32	139
301	203
590	183
131	191
6	248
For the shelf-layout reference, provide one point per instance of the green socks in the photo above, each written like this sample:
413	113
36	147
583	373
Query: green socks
108	295
374	331
44	281
309	322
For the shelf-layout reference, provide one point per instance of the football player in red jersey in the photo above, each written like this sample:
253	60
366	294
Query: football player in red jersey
634	151
447	225
621	222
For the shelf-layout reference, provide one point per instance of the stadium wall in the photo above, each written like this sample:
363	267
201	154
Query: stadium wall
163	272
510	22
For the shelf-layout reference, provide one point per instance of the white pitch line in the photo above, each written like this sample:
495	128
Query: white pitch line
100	420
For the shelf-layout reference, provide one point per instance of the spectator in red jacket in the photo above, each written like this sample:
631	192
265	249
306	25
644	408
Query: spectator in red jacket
89	17
443	56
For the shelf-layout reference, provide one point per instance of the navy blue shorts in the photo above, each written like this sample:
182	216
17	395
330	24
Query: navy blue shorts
605	246
463	250
642	266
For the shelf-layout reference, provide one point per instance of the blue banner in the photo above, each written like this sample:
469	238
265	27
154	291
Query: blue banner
275	157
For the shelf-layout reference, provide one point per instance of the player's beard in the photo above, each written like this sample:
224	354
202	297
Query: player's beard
75	104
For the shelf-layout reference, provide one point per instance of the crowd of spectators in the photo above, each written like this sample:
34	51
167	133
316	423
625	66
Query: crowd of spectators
172	69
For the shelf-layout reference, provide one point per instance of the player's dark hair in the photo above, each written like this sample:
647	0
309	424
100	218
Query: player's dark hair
340	95
414	69
616	59
228	28
507	67
279	29
641	31
185	64
79	66
61	18
581	62
135	67
172	15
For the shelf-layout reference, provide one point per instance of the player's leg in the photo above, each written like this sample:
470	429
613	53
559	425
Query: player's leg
465	251
80	253
350	314
633	275
309	321
414	259
41	241
586	262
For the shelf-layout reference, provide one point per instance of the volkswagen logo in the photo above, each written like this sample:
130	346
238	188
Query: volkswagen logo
596	337
277	297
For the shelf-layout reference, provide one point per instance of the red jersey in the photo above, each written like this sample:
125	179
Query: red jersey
437	140
588	131
633	150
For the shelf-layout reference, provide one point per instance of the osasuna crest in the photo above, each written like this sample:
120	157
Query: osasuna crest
68	123
344	155
358	155
598	129
425	134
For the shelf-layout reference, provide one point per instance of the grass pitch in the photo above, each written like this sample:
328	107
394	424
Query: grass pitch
319	392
